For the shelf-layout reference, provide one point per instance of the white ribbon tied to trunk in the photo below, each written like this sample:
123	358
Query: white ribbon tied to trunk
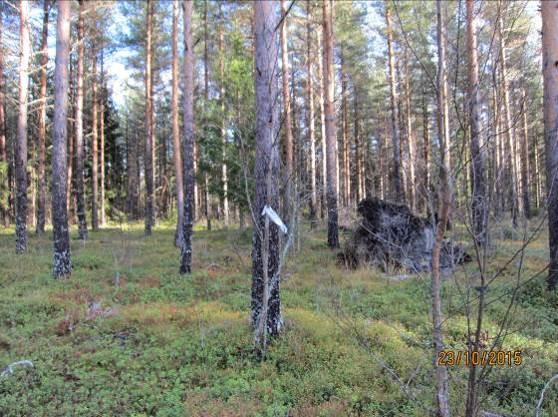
274	217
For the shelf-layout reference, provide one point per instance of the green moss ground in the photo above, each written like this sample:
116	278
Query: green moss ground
355	343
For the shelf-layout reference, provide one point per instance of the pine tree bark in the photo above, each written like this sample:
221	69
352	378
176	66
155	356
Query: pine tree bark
21	144
188	142
79	152
311	124
149	139
345	171
94	146
397	182
41	134
62	265
550	76
266	306
287	122
330	128
177	152
444	207
479	207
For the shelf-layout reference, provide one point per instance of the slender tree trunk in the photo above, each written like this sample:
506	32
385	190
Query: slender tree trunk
287	122
266	306
330	127
62	264
41	136
359	151
78	176
509	130
21	144
311	125
70	142
411	183
397	181
188	142
525	168
345	171
322	123
444	202
479	207
207	199
550	76
537	172
426	152
224	169
4	209
102	141
149	139
177	153
94	147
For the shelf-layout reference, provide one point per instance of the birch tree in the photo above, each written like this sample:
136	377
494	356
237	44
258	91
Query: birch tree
266	305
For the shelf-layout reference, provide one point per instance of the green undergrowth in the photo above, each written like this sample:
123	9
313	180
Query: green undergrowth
127	335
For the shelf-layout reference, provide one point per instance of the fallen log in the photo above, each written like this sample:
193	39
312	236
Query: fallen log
390	236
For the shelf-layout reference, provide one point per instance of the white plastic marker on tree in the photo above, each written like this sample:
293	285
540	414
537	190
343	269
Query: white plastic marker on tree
9	369
274	217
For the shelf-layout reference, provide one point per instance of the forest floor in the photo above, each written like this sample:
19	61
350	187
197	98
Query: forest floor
128	336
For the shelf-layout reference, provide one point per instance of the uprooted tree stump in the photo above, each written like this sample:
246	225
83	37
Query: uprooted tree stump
390	236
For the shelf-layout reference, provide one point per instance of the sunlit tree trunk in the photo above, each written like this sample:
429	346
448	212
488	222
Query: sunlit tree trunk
397	182
550	75
21	143
444	207
62	265
177	152
265	305
330	127
188	141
